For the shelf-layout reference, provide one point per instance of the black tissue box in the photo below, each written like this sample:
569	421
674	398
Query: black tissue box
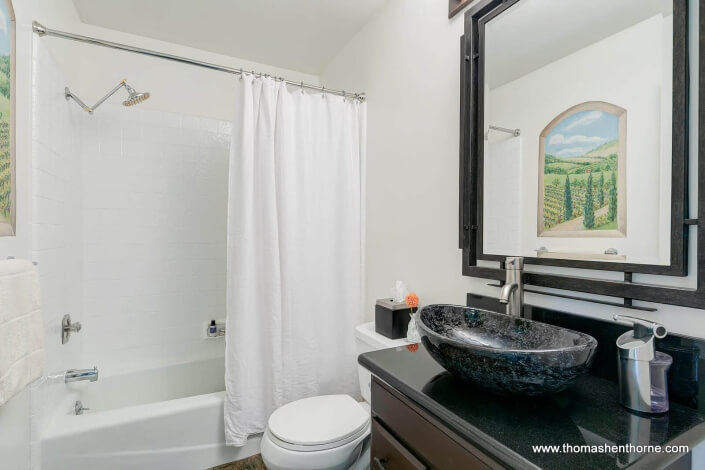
392	318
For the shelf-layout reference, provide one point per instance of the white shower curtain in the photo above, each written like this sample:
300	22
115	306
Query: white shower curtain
294	250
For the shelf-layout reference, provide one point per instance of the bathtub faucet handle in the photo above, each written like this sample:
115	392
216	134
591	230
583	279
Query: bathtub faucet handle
67	327
79	408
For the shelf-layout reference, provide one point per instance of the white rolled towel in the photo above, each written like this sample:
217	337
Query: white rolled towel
21	332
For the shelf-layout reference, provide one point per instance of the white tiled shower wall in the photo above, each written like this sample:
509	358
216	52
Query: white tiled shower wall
154	227
129	225
56	221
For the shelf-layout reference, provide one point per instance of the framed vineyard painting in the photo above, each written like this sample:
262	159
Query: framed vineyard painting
582	174
7	119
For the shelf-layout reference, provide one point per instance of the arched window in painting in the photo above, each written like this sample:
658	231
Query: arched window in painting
582	174
7	119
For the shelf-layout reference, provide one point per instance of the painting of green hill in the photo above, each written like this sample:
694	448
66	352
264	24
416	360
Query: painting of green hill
602	158
579	185
604	150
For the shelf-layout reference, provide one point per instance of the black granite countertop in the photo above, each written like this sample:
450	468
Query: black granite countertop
507	427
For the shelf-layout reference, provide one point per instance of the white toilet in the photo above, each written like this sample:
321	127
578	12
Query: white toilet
329	432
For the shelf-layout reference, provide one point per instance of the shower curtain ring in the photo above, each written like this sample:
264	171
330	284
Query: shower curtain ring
241	74
323	95
345	98
302	88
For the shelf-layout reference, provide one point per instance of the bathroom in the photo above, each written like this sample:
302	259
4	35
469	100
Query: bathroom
207	304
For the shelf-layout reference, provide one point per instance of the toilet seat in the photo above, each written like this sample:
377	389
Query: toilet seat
318	423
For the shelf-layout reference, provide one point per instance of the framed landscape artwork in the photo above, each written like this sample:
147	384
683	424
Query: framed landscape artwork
582	158
7	119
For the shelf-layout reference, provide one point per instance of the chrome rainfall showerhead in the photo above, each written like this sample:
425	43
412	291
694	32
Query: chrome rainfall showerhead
134	98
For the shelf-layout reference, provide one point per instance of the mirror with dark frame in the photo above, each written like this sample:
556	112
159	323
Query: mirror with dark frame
574	144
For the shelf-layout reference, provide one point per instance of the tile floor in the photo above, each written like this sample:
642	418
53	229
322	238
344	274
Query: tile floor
250	463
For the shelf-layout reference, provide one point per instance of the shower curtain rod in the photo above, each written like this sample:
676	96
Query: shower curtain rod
41	30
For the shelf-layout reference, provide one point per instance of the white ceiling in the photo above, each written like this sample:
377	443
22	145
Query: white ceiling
301	35
535	33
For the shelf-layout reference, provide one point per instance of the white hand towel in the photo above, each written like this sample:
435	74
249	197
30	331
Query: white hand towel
21	353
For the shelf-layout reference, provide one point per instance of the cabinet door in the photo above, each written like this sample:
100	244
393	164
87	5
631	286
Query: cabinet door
389	454
428	439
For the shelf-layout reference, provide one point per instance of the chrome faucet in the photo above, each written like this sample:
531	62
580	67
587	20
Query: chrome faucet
78	375
512	292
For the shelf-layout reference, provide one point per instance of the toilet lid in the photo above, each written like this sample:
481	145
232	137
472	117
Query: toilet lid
318	420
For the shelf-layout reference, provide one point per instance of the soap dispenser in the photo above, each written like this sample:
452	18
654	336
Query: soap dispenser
643	384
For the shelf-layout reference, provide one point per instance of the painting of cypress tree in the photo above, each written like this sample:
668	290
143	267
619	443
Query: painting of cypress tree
589	206
567	200
612	212
7	161
601	190
582	160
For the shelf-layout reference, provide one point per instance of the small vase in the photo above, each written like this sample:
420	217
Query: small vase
412	334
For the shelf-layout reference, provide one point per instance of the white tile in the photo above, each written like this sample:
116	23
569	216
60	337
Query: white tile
129	228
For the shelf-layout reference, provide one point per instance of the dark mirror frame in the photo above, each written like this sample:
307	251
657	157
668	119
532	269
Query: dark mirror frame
471	176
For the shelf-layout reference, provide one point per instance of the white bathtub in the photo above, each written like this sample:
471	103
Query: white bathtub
156	419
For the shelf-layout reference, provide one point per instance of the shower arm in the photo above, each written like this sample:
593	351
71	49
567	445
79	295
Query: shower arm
89	109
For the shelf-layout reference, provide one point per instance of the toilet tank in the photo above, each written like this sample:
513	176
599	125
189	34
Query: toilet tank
368	340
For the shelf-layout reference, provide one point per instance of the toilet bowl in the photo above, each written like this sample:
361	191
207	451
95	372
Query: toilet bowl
327	432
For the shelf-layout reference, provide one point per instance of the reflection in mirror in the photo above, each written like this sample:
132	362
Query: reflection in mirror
588	84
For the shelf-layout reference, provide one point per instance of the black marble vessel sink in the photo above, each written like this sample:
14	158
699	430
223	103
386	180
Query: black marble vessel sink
505	354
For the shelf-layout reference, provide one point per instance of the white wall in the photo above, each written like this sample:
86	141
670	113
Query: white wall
641	85
407	60
56	240
154	224
56	208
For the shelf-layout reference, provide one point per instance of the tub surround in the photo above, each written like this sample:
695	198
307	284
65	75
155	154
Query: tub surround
504	429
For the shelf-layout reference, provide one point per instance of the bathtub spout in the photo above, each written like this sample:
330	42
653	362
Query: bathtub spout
78	375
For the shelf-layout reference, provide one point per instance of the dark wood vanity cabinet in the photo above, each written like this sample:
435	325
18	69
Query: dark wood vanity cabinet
405	437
